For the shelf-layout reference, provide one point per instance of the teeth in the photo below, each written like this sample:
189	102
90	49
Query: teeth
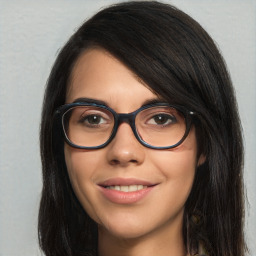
133	188
141	187
130	188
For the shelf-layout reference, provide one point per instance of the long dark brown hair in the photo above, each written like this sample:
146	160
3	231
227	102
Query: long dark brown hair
178	60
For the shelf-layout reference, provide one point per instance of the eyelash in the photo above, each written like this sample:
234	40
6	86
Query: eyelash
172	119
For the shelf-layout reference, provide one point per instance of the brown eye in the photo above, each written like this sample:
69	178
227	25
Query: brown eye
92	120
162	119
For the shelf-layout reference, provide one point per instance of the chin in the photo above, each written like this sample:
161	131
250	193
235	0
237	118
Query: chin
124	233
125	228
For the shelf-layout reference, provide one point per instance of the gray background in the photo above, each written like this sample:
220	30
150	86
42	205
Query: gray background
31	33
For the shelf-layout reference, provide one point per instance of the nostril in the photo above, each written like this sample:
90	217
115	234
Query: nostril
124	162
114	162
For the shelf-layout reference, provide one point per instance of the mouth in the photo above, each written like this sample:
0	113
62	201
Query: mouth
125	191
126	184
130	188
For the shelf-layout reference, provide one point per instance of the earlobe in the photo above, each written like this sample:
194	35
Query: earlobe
201	160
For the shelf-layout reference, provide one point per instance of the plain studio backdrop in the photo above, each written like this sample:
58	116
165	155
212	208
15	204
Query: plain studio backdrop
31	34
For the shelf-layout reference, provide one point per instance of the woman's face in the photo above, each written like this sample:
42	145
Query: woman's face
170	173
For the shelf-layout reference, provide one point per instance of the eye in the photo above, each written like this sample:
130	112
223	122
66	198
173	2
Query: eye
162	119
92	120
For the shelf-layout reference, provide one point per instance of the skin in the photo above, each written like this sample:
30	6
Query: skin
153	225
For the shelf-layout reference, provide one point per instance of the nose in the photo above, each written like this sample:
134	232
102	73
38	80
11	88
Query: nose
125	149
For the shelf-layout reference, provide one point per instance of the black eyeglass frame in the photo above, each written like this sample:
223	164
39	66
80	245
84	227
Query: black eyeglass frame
127	118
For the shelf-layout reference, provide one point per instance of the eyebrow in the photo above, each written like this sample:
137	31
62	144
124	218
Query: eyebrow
101	102
89	100
153	101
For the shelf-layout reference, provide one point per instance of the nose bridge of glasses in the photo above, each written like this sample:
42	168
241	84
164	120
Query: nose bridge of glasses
125	118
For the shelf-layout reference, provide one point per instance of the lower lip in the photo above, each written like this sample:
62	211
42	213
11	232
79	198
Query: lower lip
120	197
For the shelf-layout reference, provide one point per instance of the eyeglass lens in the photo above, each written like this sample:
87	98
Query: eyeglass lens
90	126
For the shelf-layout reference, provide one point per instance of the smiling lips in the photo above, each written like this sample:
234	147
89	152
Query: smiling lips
130	188
125	191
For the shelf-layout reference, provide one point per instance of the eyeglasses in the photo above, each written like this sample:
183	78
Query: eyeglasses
93	126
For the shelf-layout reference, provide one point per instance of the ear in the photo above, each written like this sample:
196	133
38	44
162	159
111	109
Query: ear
201	160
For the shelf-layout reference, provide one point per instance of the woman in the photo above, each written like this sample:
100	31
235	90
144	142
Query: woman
140	140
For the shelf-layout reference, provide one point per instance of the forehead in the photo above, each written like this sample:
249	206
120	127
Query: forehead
99	75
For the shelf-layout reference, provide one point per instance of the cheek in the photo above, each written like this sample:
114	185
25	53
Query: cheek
178	170
81	163
76	165
77	171
178	162
82	166
178	167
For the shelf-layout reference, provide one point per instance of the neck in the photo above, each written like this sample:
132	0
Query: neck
163	241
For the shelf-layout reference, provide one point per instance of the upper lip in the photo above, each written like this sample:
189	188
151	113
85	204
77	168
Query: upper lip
125	182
